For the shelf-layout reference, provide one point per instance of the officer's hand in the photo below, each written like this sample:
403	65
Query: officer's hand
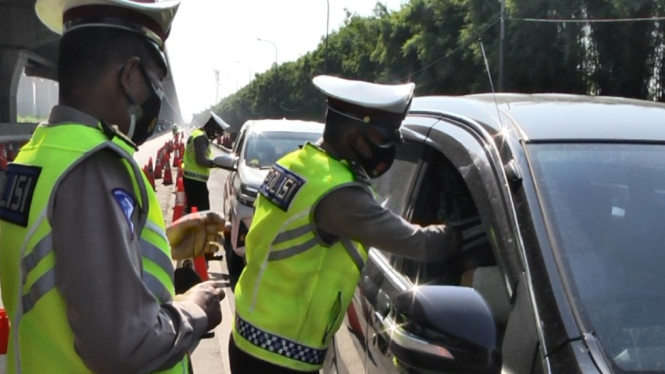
195	234
208	296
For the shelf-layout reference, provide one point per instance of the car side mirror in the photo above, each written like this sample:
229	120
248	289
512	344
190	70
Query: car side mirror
226	161
443	329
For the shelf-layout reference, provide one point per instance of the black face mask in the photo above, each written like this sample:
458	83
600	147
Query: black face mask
380	161
144	117
211	135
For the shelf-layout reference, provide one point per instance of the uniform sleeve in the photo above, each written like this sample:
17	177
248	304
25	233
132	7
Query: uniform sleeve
118	326
200	148
351	212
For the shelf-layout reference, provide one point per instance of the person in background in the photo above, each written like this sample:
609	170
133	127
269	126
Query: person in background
197	162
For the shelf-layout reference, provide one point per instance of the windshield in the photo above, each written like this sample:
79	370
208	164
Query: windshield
605	204
265	148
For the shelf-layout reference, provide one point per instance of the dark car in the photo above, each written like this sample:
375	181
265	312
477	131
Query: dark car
561	200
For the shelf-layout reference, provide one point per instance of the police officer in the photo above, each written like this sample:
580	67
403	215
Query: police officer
315	218
197	162
85	258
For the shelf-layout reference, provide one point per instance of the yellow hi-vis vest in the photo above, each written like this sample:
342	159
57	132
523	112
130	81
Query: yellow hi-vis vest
190	168
294	291
41	340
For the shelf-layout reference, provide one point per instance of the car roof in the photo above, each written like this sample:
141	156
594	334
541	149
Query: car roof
555	117
288	125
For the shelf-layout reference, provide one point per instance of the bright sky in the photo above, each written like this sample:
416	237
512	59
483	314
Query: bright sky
221	34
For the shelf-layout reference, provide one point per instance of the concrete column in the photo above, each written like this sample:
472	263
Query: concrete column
12	62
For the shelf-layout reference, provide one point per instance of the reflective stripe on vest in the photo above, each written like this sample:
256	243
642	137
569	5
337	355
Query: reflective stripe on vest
41	339
190	168
291	297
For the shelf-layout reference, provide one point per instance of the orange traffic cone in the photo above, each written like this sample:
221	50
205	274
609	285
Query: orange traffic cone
176	156
3	158
168	178
180	173
158	167
150	163
10	152
179	207
4	331
150	175
200	261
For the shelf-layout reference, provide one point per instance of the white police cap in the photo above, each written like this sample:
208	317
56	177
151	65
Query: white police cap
150	19
380	105
389	98
218	121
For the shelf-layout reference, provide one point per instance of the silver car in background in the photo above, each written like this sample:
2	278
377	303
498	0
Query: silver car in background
260	143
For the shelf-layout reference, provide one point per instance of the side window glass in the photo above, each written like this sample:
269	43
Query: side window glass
443	197
394	187
239	142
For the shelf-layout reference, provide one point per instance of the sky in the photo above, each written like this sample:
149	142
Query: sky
222	34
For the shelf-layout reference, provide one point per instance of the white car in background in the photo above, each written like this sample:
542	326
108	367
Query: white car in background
259	144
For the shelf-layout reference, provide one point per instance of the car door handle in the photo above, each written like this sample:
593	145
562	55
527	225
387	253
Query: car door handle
381	336
382	303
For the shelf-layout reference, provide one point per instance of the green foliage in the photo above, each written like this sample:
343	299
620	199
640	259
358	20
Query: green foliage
434	43
30	119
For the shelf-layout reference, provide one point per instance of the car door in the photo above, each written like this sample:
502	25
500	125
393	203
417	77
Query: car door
229	191
455	187
348	353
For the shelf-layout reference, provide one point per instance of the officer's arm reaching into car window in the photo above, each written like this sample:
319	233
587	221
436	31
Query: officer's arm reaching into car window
353	213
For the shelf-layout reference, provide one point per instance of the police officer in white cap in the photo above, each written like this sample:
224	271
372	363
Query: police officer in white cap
197	162
85	258
314	221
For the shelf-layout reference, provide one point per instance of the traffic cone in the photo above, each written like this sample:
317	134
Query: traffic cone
176	156
150	175
179	207
166	159
168	178
4	332
158	167
150	163
10	152
180	173
200	261
3	158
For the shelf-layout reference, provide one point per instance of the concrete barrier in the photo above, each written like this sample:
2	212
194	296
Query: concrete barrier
16	132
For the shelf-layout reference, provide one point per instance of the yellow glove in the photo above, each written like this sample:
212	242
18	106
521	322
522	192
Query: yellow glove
195	234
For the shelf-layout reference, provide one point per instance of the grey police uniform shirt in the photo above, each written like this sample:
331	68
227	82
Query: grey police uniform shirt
352	212
119	327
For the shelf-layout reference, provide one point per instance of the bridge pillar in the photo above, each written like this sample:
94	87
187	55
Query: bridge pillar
12	62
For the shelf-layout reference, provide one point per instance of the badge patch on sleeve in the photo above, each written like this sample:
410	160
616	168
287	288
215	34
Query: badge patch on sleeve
281	186
127	204
17	189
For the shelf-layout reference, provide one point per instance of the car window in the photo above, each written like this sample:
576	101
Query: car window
393	188
265	148
443	197
239	142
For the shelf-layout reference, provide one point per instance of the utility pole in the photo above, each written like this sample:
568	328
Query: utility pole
216	86
325	60
501	43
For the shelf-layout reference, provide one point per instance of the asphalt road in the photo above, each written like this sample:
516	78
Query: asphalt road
210	356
